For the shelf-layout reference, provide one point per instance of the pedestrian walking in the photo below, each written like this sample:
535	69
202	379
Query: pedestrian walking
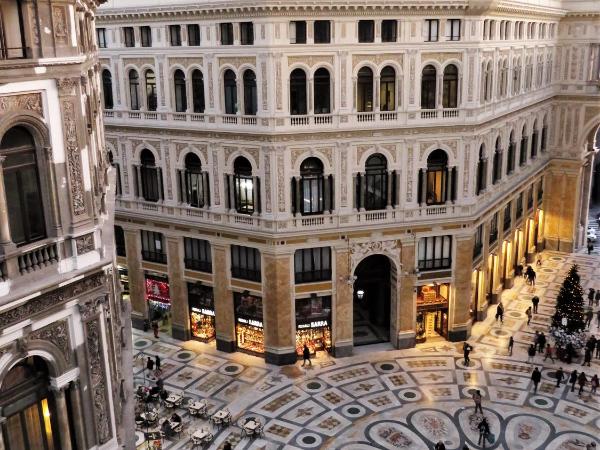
591	294
581	380
590	247
536	377
227	446
160	384
587	357
589	315
598	317
530	353
306	356
598	348
529	314
548	353
500	312
477	400
573	380
559	376
484	431
535	301
541	342
594	383
157	362
466	351
155	328
150	365
511	343
532	276
439	446
598	297
591	446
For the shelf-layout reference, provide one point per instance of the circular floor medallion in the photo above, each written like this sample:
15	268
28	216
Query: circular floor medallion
410	395
309	440
353	411
539	401
231	369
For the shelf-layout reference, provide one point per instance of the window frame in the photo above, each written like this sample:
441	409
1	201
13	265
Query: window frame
453	33
393	32
432	36
443	262
246	33
366	31
145	36
128	37
175	35
101	37
319	267
294	34
251	258
197	254
226	33
150	250
196	41
323	33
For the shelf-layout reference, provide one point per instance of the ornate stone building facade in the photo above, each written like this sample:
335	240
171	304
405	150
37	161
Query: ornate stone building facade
338	174
63	333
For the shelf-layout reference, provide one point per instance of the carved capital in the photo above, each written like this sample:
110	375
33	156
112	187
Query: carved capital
67	86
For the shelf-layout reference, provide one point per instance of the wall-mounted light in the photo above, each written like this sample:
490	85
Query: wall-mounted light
360	294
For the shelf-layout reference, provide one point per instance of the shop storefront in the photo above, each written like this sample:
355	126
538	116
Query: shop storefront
157	296
249	330
202	312
313	324
432	311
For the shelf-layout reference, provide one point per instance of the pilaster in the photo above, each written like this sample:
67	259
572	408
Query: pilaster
133	249
407	310
343	326
459	327
177	290
224	313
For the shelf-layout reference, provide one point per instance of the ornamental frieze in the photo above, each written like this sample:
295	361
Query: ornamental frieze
138	62
46	301
23	102
85	243
311	60
441	57
426	145
237	61
228	151
388	248
590	113
186	62
58	334
378	59
74	165
180	147
326	152
67	86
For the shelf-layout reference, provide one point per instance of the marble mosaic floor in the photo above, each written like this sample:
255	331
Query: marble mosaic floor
395	399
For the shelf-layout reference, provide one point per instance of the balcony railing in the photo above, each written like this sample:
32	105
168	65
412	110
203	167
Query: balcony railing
38	258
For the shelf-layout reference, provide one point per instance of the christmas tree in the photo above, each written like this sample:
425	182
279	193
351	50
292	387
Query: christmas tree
569	305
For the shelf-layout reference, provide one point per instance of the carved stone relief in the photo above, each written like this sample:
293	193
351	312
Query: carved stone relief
268	182
73	158
311	60
59	23
411	74
343	63
361	150
441	57
211	93
280	184
215	177
389	248
466	169
181	147
263	75
138	62
278	94
164	148
22	102
185	62
85	243
377	58
228	151
344	170
56	333
327	152
409	172
237	61
161	84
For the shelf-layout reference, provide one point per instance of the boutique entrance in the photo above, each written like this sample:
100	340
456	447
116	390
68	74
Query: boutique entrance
372	292
432	311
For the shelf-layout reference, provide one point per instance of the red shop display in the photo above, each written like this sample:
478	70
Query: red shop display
157	290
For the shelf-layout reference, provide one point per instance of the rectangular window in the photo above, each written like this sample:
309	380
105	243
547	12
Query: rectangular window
246	33
175	35
120	241
129	37
478	244
366	31
519	211
530	198
245	263
540	191
389	30
432	30
322	30
101	36
507	217
453	29
197	255
435	253
152	247
312	264
226	30
146	36
298	32
494	229
193	31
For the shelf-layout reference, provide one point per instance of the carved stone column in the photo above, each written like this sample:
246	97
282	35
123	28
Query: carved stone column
53	199
177	289
64	431
77	412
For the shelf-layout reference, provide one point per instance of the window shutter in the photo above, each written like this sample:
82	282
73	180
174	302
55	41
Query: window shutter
293	189
257	194
453	184
420	187
161	194
227	191
136	180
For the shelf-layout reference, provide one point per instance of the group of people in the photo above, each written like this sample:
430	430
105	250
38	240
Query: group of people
529	274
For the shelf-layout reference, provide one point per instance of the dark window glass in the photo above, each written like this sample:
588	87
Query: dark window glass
298	32
364	90
129	37
180	93
312	264
450	87
478	244
497	164
134	82
149	174
250	104
540	191
523	149
120	241
453	30
437	174
226	30
243	185
481	171
197	255
428	87
530	198
150	90
230	87
322	30
101	36
494	229
22	187
146	36
366	31
193	31
193	182
107	89
507	217
118	190
175	35
198	91
312	185
519	210
389	30
432	30
298	105
510	160
387	89
152	247
246	33
376	182
245	263
435	253
322	100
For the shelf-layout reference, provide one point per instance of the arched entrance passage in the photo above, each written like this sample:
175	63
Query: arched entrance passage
372	300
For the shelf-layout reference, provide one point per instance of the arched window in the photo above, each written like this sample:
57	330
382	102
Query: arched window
534	140
523	150
150	177
250	102
180	94
503	79
376	182
439	182
230	90
117	167
312	187
497	165
364	90
150	90
107	89
516	82
450	87
322	91
481	181
193	183
243	186
387	89
428	83
544	138
22	186
298	104
134	96
198	91
510	160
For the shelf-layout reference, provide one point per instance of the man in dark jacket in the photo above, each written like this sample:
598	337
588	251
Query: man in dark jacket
535	301
559	376
536	377
573	380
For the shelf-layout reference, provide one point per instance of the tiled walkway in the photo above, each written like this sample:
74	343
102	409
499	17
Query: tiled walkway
405	399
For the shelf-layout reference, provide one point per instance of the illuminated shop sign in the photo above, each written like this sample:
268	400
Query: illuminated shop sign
313	324
205	311
252	322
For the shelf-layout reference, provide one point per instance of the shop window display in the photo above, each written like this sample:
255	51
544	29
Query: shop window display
249	322
313	324
432	311
157	295
202	311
